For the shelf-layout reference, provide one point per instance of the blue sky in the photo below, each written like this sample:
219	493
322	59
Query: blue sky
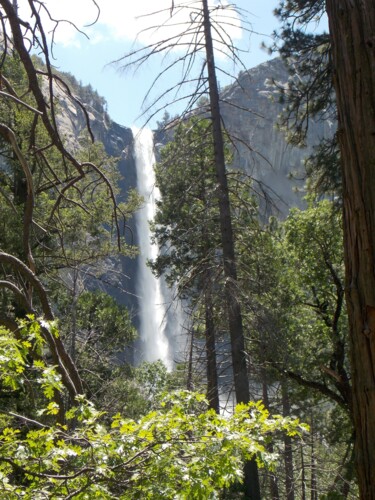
113	35
89	59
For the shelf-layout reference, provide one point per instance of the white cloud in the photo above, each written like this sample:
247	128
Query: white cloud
130	22
126	20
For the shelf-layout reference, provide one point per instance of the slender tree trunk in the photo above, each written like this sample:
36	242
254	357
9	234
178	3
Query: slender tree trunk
241	381
345	474
313	483
61	358
348	476
352	28
189	380
274	487
73	312
288	449
303	475
206	286
212	377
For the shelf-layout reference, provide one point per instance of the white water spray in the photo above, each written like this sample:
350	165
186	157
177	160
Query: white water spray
152	310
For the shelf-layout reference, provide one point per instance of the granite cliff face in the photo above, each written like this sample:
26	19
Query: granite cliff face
250	110
72	123
118	142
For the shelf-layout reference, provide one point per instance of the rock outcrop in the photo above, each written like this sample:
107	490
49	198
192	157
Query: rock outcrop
118	142
250	109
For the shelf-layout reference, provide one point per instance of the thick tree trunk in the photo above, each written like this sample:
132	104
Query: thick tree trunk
352	27
241	381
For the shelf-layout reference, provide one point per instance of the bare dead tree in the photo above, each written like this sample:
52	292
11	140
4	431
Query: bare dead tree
206	28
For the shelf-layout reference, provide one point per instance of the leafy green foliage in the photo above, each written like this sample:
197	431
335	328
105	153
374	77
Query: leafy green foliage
292	279
98	331
201	451
299	289
103	325
313	241
22	369
186	223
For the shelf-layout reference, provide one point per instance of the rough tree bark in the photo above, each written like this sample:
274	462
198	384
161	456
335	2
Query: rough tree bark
241	380
206	286
352	28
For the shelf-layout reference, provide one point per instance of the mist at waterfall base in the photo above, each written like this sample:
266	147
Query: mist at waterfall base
157	336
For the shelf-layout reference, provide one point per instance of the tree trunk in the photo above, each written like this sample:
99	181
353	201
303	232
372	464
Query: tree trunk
345	474
313	483
241	381
352	28
207	287
303	475
212	377
189	380
274	487
288	449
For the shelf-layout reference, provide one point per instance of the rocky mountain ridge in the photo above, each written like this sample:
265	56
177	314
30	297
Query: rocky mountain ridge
250	110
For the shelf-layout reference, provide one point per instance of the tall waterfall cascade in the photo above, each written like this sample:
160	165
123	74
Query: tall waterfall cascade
154	344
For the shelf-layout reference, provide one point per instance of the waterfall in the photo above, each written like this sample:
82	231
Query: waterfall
154	344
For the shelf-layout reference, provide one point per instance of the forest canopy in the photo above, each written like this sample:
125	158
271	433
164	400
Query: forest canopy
284	305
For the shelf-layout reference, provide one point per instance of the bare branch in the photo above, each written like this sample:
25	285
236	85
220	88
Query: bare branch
19	101
62	359
9	135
